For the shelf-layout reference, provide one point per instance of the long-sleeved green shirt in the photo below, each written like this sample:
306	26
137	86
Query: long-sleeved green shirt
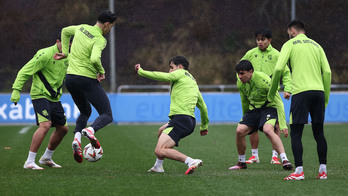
254	93
184	95
309	66
53	70
265	61
86	49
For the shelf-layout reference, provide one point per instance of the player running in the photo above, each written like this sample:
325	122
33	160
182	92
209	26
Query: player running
185	96
46	89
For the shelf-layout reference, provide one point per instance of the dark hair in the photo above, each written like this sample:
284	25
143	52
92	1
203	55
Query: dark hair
180	60
244	65
59	37
107	16
297	24
265	32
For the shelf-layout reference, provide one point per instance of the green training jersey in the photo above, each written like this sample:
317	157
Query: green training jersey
266	61
254	93
53	71
184	95
86	49
309	66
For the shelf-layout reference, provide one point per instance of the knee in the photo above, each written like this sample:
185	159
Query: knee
159	152
63	129
45	125
240	132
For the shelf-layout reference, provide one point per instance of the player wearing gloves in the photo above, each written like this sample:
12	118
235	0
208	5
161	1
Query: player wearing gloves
185	96
48	76
258	113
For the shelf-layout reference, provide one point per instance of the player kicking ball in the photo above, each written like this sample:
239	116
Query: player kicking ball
185	96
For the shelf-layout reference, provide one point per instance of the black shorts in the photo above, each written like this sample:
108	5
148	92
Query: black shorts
256	118
46	110
308	102
179	127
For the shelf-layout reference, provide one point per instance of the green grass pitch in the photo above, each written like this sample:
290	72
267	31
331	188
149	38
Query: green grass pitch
129	153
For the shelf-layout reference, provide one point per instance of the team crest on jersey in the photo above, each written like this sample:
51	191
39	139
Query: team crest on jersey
270	57
44	112
268	116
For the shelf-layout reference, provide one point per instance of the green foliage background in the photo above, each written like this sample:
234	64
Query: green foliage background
212	34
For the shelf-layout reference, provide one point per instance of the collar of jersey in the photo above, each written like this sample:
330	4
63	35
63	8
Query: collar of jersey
99	29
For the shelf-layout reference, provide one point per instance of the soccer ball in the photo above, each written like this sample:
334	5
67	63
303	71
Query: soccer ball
92	154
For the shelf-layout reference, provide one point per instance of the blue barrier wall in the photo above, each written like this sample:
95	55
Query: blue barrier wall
154	107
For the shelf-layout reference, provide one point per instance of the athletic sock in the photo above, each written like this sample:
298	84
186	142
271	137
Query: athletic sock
299	170
48	154
78	136
241	158
274	153
322	168
158	162
188	161
31	157
255	152
283	156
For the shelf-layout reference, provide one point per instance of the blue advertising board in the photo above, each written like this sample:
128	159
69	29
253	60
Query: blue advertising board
154	107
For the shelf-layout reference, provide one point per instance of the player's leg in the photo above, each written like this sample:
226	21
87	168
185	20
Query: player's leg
298	117
275	159
268	121
254	142
74	84
55	139
158	166
43	119
241	132
97	96
317	112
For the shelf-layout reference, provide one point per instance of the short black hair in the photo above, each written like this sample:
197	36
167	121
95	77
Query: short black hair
296	24
180	60
244	65
265	32
107	16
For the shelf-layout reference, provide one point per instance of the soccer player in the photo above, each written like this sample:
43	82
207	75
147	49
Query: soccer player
264	58
46	89
84	74
258	113
185	96
311	78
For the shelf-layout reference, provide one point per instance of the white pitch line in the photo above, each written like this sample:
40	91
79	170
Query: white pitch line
24	130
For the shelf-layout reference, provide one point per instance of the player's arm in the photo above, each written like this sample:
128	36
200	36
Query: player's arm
244	100
287	82
67	32
29	69
325	67
204	115
96	52
278	70
280	111
156	75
